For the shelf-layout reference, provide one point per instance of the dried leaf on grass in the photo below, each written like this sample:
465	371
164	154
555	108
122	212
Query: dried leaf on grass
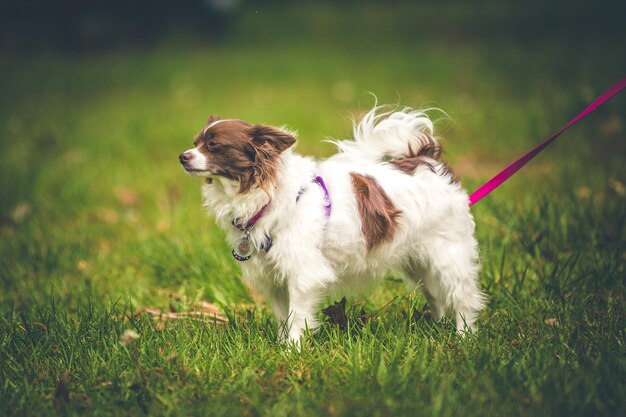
552	322
62	393
129	337
20	212
203	311
337	313
105	215
126	196
618	187
241	306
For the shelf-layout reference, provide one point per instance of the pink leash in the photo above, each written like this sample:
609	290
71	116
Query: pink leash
507	172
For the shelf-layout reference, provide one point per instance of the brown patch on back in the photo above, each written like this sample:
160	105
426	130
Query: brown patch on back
378	214
429	155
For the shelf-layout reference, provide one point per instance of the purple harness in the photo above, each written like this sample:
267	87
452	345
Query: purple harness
243	249
327	205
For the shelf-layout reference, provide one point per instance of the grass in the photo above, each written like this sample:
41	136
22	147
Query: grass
98	222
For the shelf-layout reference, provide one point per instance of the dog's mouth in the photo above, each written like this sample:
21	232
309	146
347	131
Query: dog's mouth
196	171
199	173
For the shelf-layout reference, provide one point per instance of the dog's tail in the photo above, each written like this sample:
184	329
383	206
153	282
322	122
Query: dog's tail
392	135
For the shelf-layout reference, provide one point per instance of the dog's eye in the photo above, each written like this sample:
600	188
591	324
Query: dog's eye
210	145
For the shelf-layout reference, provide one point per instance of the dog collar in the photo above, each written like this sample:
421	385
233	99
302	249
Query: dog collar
252	221
243	249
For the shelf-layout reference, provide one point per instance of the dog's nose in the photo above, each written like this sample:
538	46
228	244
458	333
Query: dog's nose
184	157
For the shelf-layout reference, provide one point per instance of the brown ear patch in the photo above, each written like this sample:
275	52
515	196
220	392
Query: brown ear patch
213	119
272	139
378	214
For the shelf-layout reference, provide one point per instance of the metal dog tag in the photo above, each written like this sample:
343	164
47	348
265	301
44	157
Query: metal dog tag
243	248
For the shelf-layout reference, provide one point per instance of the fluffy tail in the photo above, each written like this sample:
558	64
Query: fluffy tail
392	135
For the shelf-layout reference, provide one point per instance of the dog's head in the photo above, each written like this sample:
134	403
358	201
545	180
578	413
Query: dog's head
237	150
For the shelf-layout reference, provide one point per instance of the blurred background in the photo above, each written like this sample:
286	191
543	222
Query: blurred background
77	27
97	99
98	222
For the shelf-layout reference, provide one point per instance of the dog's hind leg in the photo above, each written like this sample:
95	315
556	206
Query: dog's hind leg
458	269
420	276
450	282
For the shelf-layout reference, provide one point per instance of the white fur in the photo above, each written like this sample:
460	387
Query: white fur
198	162
313	256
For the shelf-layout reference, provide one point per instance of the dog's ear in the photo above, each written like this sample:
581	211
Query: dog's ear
214	119
271	138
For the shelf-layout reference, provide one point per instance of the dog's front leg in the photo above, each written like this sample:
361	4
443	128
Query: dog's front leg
278	298
302	311
302	266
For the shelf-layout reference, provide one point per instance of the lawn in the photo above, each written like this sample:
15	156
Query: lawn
99	226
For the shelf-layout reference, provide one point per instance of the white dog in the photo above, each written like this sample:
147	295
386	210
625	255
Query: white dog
302	229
